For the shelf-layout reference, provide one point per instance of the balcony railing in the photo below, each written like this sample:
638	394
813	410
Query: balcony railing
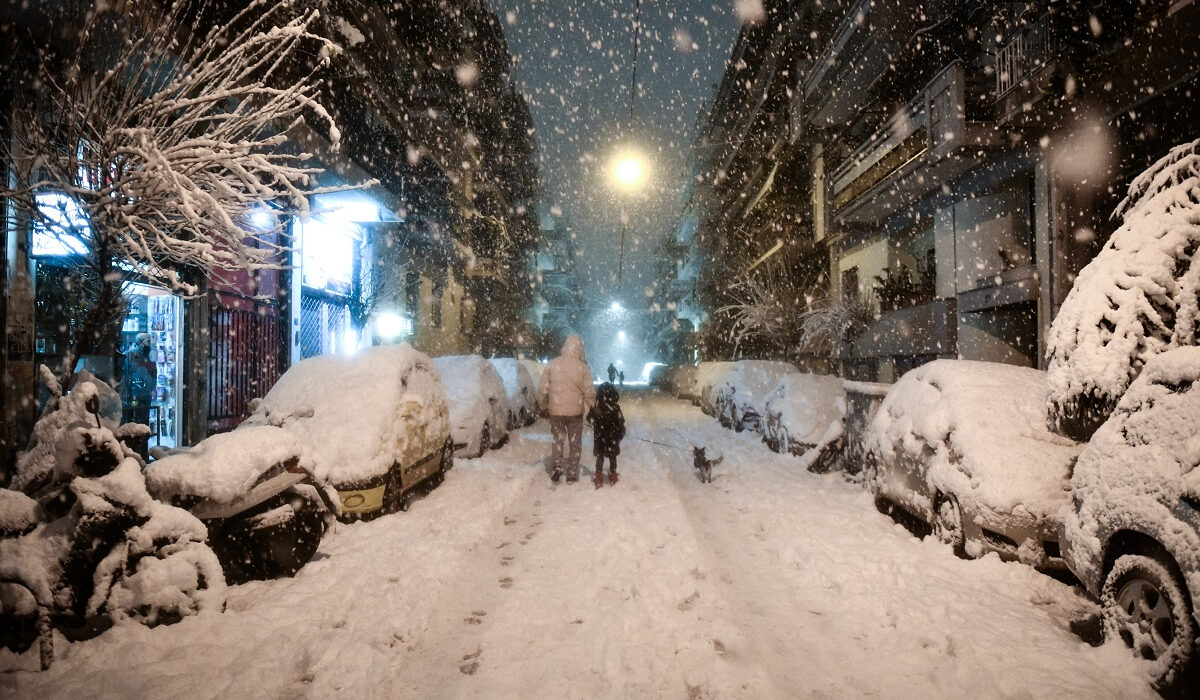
1029	51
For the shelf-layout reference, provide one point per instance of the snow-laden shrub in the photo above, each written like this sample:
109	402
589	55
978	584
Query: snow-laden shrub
1136	299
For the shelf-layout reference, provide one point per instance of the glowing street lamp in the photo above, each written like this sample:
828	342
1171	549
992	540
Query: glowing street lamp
628	172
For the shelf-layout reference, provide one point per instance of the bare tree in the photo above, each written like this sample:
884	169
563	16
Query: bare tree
154	150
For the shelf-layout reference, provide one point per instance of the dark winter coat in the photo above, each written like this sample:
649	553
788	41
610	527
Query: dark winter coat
608	423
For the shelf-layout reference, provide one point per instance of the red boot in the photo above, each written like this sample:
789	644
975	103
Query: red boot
598	480
612	477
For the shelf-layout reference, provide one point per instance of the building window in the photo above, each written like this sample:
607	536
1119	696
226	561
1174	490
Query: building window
850	291
412	294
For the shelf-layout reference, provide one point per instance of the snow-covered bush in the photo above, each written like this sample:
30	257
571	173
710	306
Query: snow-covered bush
1137	298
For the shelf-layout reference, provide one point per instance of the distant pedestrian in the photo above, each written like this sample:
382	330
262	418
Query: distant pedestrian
621	376
608	429
565	395
612	373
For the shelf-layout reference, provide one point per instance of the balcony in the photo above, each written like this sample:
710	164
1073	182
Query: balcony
866	41
928	142
1015	286
1022	64
926	329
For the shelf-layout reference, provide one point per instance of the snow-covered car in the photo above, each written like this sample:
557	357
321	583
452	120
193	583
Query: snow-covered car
710	377
803	412
373	425
478	403
964	446
681	381
1132	532
535	370
740	399
522	392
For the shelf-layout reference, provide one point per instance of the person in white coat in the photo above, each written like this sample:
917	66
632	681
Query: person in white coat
565	396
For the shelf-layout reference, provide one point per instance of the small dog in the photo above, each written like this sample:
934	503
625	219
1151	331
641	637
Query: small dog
704	464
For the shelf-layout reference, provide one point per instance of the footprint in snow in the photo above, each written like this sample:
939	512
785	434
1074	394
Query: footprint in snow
469	669
506	561
506	582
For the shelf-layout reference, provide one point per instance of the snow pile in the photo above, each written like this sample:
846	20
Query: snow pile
224	466
1137	298
348	412
809	406
518	384
749	381
1137	467
980	431
475	394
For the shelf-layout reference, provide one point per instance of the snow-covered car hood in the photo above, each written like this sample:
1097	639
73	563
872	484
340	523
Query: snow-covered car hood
1139	464
806	405
986	425
352	414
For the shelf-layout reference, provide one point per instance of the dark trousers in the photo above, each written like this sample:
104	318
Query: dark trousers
612	464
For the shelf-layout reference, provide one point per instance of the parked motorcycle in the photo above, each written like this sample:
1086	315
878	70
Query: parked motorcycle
82	542
253	489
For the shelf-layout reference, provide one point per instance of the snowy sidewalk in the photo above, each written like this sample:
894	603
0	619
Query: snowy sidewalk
769	582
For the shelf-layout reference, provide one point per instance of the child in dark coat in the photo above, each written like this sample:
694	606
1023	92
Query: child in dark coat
608	427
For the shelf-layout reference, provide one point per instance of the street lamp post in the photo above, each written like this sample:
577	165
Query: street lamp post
628	173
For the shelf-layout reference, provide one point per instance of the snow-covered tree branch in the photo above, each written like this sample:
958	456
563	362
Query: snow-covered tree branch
1137	298
157	147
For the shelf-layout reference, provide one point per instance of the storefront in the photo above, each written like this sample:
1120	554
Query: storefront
151	342
332	256
141	359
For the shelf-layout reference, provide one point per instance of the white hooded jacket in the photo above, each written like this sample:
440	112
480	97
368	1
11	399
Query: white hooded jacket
566	388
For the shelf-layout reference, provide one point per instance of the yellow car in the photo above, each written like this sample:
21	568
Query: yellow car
373	425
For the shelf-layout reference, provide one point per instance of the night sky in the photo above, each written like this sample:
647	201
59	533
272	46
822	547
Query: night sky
573	61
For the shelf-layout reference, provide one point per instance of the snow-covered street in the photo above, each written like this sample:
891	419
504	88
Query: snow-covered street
769	582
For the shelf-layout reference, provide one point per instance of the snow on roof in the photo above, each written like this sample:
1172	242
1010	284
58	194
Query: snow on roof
986	423
708	373
807	405
346	410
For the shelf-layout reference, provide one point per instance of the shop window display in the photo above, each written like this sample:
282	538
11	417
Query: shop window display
150	342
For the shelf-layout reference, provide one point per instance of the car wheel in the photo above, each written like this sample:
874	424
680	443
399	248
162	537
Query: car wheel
485	440
248	550
948	524
290	548
1144	605
783	443
734	418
